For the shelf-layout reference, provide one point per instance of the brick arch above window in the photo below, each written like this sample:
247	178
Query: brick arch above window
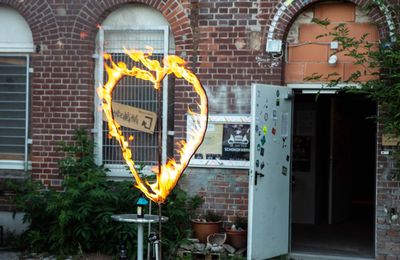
43	30
283	16
96	11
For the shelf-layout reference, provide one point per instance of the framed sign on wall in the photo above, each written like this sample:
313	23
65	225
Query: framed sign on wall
226	143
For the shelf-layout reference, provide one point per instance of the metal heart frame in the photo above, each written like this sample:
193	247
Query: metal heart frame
168	174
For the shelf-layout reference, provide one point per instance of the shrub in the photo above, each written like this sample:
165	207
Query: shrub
78	220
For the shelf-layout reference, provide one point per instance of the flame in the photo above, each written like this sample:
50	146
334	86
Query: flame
171	171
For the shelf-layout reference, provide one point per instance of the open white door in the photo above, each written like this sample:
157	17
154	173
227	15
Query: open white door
270	171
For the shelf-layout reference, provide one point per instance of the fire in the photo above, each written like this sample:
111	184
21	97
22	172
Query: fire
171	171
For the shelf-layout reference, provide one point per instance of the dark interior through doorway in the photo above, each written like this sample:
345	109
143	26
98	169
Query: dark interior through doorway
333	190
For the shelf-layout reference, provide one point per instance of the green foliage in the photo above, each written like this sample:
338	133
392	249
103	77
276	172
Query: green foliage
379	59
212	216
382	61
323	23
78	218
240	222
179	209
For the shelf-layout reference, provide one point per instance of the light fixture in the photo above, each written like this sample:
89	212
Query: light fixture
332	61
141	203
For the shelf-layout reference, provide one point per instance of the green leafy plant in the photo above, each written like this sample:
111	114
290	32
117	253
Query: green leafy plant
240	222
211	216
379	60
77	219
179	209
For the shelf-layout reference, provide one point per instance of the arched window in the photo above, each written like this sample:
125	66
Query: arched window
16	43
133	27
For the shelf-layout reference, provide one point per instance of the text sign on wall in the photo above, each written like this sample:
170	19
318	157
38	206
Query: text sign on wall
390	140
134	118
236	142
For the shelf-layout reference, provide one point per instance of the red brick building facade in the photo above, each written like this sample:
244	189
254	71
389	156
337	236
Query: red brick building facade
224	42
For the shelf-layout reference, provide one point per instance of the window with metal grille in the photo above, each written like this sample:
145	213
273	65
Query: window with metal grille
132	92
140	94
14	113
16	42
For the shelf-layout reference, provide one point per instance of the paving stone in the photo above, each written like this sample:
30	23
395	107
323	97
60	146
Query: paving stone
229	248
240	251
188	247
194	240
199	247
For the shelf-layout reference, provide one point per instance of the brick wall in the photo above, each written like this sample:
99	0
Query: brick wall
387	199
224	191
224	42
307	54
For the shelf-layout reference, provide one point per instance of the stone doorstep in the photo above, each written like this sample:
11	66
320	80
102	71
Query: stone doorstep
310	256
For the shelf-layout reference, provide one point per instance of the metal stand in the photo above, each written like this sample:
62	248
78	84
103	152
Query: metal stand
154	240
140	241
132	218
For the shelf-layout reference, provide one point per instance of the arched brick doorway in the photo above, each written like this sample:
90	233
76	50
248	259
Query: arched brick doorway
333	196
308	52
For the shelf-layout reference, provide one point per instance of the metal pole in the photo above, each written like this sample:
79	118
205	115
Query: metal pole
140	241
157	249
98	153
148	233
26	114
159	232
159	122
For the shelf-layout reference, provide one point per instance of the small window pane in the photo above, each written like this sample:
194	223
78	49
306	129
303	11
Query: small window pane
118	40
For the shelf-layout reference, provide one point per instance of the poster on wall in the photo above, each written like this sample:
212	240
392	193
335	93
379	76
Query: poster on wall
226	143
236	142
211	147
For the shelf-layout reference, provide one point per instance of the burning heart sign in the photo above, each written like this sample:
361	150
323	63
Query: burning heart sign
168	174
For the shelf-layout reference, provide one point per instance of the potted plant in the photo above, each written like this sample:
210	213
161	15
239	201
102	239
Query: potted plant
204	226
237	233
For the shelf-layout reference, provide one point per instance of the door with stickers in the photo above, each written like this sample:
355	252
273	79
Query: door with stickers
270	171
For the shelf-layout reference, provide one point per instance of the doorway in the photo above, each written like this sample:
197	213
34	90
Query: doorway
333	175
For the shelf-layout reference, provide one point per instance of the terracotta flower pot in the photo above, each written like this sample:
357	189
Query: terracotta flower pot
237	238
202	229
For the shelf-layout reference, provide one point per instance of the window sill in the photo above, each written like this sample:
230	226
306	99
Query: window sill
14	165
120	172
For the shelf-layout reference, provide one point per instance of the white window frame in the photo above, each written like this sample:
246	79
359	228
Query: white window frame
18	164
119	170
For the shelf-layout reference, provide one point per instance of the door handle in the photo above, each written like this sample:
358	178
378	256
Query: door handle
255	177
